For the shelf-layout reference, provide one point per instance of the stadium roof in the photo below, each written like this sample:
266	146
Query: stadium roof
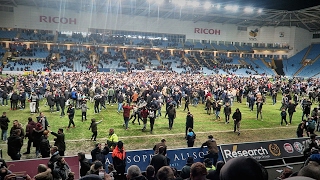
299	13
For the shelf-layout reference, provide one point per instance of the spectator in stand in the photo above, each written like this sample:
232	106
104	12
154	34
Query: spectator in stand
14	144
99	154
44	173
84	164
150	173
54	157
45	145
243	168
134	173
4	124
159	160
119	159
29	134
185	171
214	174
61	169
198	171
59	141
165	173
112	139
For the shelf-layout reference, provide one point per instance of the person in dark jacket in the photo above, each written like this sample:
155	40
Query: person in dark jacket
45	145
59	141
119	159
43	120
227	112
17	125
159	160
22	99
4	124
291	110
37	137
50	100
29	133
15	144
84	164
191	137
185	171
171	111
94	128
54	157
14	101
70	113
212	149
237	118
62	103
189	122
44	173
99	154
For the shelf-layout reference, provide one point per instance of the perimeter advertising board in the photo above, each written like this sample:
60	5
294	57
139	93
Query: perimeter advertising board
264	151
178	157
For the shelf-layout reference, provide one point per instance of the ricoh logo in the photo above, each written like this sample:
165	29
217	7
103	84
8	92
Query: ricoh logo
57	20
259	153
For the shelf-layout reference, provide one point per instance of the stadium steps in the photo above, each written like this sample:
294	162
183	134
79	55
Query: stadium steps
252	60
304	64
265	63
242	62
307	53
300	69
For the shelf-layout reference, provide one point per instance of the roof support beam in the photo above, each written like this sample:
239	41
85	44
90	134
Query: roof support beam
14	2
284	16
302	22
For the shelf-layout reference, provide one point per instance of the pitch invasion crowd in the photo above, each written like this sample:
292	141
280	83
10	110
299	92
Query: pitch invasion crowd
146	93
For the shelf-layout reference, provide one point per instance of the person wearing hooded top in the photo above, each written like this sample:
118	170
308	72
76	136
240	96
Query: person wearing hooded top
212	149
134	173
54	157
237	118
44	173
61	169
119	159
243	168
185	171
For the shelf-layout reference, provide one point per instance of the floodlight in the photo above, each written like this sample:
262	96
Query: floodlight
248	10
231	8
260	10
194	3
207	5
150	1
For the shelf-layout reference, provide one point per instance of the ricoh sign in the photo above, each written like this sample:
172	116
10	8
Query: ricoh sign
207	31
57	20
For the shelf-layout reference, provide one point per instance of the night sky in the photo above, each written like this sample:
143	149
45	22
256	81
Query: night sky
274	4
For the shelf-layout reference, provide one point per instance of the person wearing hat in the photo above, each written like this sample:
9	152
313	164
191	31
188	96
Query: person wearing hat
70	113
212	149
185	171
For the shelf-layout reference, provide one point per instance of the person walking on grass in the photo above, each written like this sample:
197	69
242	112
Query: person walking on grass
84	109
94	128
227	113
70	113
237	118
283	115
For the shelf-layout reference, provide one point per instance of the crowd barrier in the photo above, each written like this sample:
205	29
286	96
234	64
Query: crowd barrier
30	166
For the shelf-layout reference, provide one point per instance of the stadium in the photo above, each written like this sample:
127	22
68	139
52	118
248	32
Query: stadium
206	54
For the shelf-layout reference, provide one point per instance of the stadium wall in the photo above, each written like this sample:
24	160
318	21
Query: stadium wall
67	20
